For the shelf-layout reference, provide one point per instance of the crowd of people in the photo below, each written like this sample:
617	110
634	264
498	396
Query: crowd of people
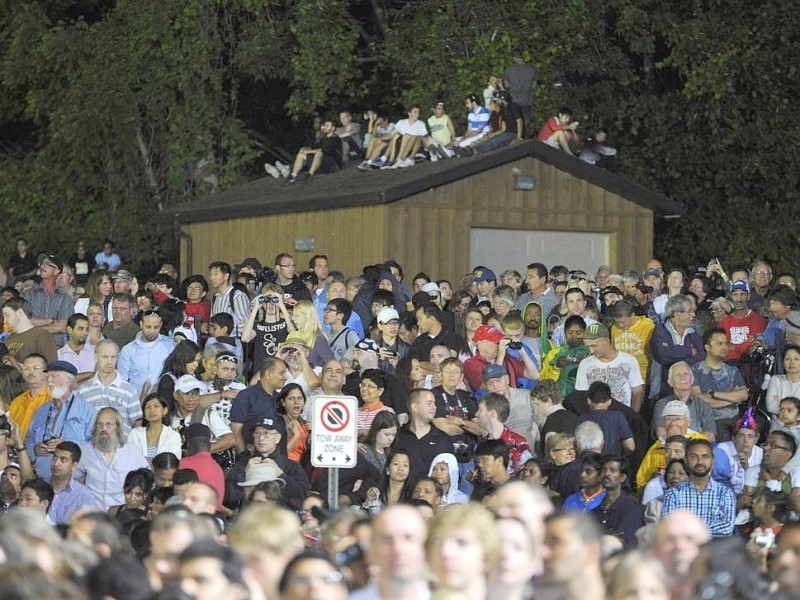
554	434
498	118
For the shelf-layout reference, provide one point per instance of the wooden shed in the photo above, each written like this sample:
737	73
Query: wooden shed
504	210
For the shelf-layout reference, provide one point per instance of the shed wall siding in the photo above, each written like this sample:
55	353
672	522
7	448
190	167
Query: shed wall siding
429	231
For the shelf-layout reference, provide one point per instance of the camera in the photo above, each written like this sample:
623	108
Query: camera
766	539
262	276
645	289
515	345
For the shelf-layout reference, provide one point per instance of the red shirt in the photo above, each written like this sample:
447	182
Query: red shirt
518	450
741	331
208	471
550	127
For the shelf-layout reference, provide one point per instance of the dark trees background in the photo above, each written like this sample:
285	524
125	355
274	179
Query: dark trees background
112	111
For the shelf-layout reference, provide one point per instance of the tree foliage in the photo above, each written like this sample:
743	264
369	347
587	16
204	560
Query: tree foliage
112	111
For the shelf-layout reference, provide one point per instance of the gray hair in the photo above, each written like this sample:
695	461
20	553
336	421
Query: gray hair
630	276
117	419
676	303
588	436
679	363
504	293
212	350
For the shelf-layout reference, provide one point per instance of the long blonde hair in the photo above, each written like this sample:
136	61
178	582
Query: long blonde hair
312	328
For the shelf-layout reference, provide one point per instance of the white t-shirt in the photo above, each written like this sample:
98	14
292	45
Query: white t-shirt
621	374
405	128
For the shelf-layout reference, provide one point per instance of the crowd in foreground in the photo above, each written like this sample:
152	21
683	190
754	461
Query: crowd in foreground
553	435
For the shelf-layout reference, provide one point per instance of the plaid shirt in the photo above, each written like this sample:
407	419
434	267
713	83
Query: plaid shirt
716	505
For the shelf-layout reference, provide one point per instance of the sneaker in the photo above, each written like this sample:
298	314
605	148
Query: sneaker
308	177
272	171
441	152
365	166
284	170
434	158
387	165
405	163
292	178
460	152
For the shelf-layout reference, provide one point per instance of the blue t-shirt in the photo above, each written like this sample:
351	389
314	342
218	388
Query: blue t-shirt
615	429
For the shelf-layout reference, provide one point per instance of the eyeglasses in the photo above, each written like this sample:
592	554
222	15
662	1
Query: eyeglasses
331	310
762	272
451	371
367	386
773	445
228	358
260	434
291	266
306	580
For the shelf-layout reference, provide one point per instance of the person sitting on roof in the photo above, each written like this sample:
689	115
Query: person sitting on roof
326	155
378	135
440	143
477	124
559	131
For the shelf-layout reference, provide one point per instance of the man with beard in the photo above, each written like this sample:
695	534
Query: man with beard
710	500
618	514
743	325
66	417
77	350
142	361
107	460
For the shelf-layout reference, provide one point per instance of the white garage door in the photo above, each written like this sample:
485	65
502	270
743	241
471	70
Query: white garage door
501	249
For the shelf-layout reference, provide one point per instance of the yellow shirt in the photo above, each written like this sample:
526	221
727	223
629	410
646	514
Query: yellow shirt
655	460
24	407
635	340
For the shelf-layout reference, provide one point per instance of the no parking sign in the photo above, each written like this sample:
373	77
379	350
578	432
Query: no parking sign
334	432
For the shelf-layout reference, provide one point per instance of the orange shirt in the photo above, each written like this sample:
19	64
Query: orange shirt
24	406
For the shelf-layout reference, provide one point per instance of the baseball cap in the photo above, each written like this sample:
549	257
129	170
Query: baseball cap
387	314
61	365
486	333
431	288
793	322
493	372
187	383
675	408
197	430
474	98
368	345
251	262
652	273
482	275
122	274
53	258
740	285
595	331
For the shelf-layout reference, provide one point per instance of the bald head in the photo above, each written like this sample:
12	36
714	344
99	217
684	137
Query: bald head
677	540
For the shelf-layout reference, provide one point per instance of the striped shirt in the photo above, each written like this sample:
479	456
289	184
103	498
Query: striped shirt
119	394
715	505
